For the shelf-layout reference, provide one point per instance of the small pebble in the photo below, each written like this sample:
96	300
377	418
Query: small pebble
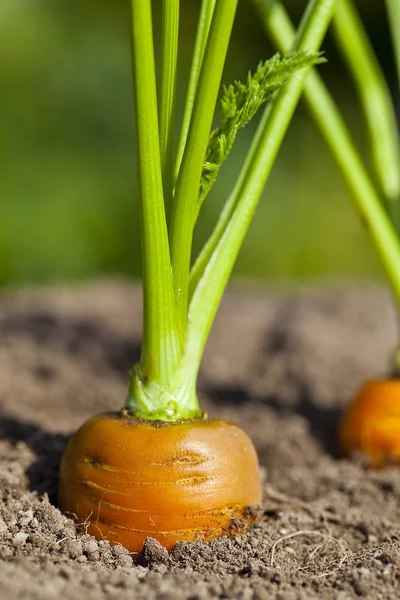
6	553
124	560
35	539
25	518
73	548
90	546
20	538
82	558
3	527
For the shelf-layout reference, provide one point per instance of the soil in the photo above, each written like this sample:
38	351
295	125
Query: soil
282	365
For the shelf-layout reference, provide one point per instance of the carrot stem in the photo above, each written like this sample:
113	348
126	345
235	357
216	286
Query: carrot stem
375	97
212	242
210	287
169	54
184	208
335	132
203	29
393	9
160	348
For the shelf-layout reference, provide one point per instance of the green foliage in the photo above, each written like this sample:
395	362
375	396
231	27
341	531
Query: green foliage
240	103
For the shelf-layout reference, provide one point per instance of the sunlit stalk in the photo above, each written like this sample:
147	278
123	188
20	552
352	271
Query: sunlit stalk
169	54
393	9
335	132
203	28
211	285
188	184
375	97
160	348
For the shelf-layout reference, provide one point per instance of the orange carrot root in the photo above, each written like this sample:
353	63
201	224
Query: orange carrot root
128	479
371	425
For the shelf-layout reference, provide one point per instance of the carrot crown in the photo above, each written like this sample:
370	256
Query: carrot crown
180	301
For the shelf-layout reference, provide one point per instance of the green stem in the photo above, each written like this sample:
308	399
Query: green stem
203	28
169	53
228	209
339	141
393	9
154	402
210	288
188	183
375	97
160	349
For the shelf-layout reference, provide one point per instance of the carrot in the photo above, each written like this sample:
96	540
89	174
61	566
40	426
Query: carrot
371	424
161	468
129	479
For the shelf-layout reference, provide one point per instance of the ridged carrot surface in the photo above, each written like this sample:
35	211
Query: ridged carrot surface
127	480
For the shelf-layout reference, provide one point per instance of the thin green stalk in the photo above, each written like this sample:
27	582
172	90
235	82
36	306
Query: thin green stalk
188	183
339	141
393	9
360	57
210	288
169	54
203	28
160	349
228	209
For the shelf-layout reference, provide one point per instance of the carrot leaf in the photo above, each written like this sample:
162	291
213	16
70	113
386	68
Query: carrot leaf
240	103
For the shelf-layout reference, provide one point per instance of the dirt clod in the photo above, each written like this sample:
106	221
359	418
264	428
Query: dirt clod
152	553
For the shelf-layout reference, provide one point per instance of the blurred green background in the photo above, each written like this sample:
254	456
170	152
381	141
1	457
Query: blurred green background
68	193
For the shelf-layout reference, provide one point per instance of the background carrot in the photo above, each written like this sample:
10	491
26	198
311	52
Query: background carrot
371	425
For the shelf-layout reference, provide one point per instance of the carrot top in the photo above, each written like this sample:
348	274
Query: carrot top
180	303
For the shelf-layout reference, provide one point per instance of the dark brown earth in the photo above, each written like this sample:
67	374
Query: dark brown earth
282	365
